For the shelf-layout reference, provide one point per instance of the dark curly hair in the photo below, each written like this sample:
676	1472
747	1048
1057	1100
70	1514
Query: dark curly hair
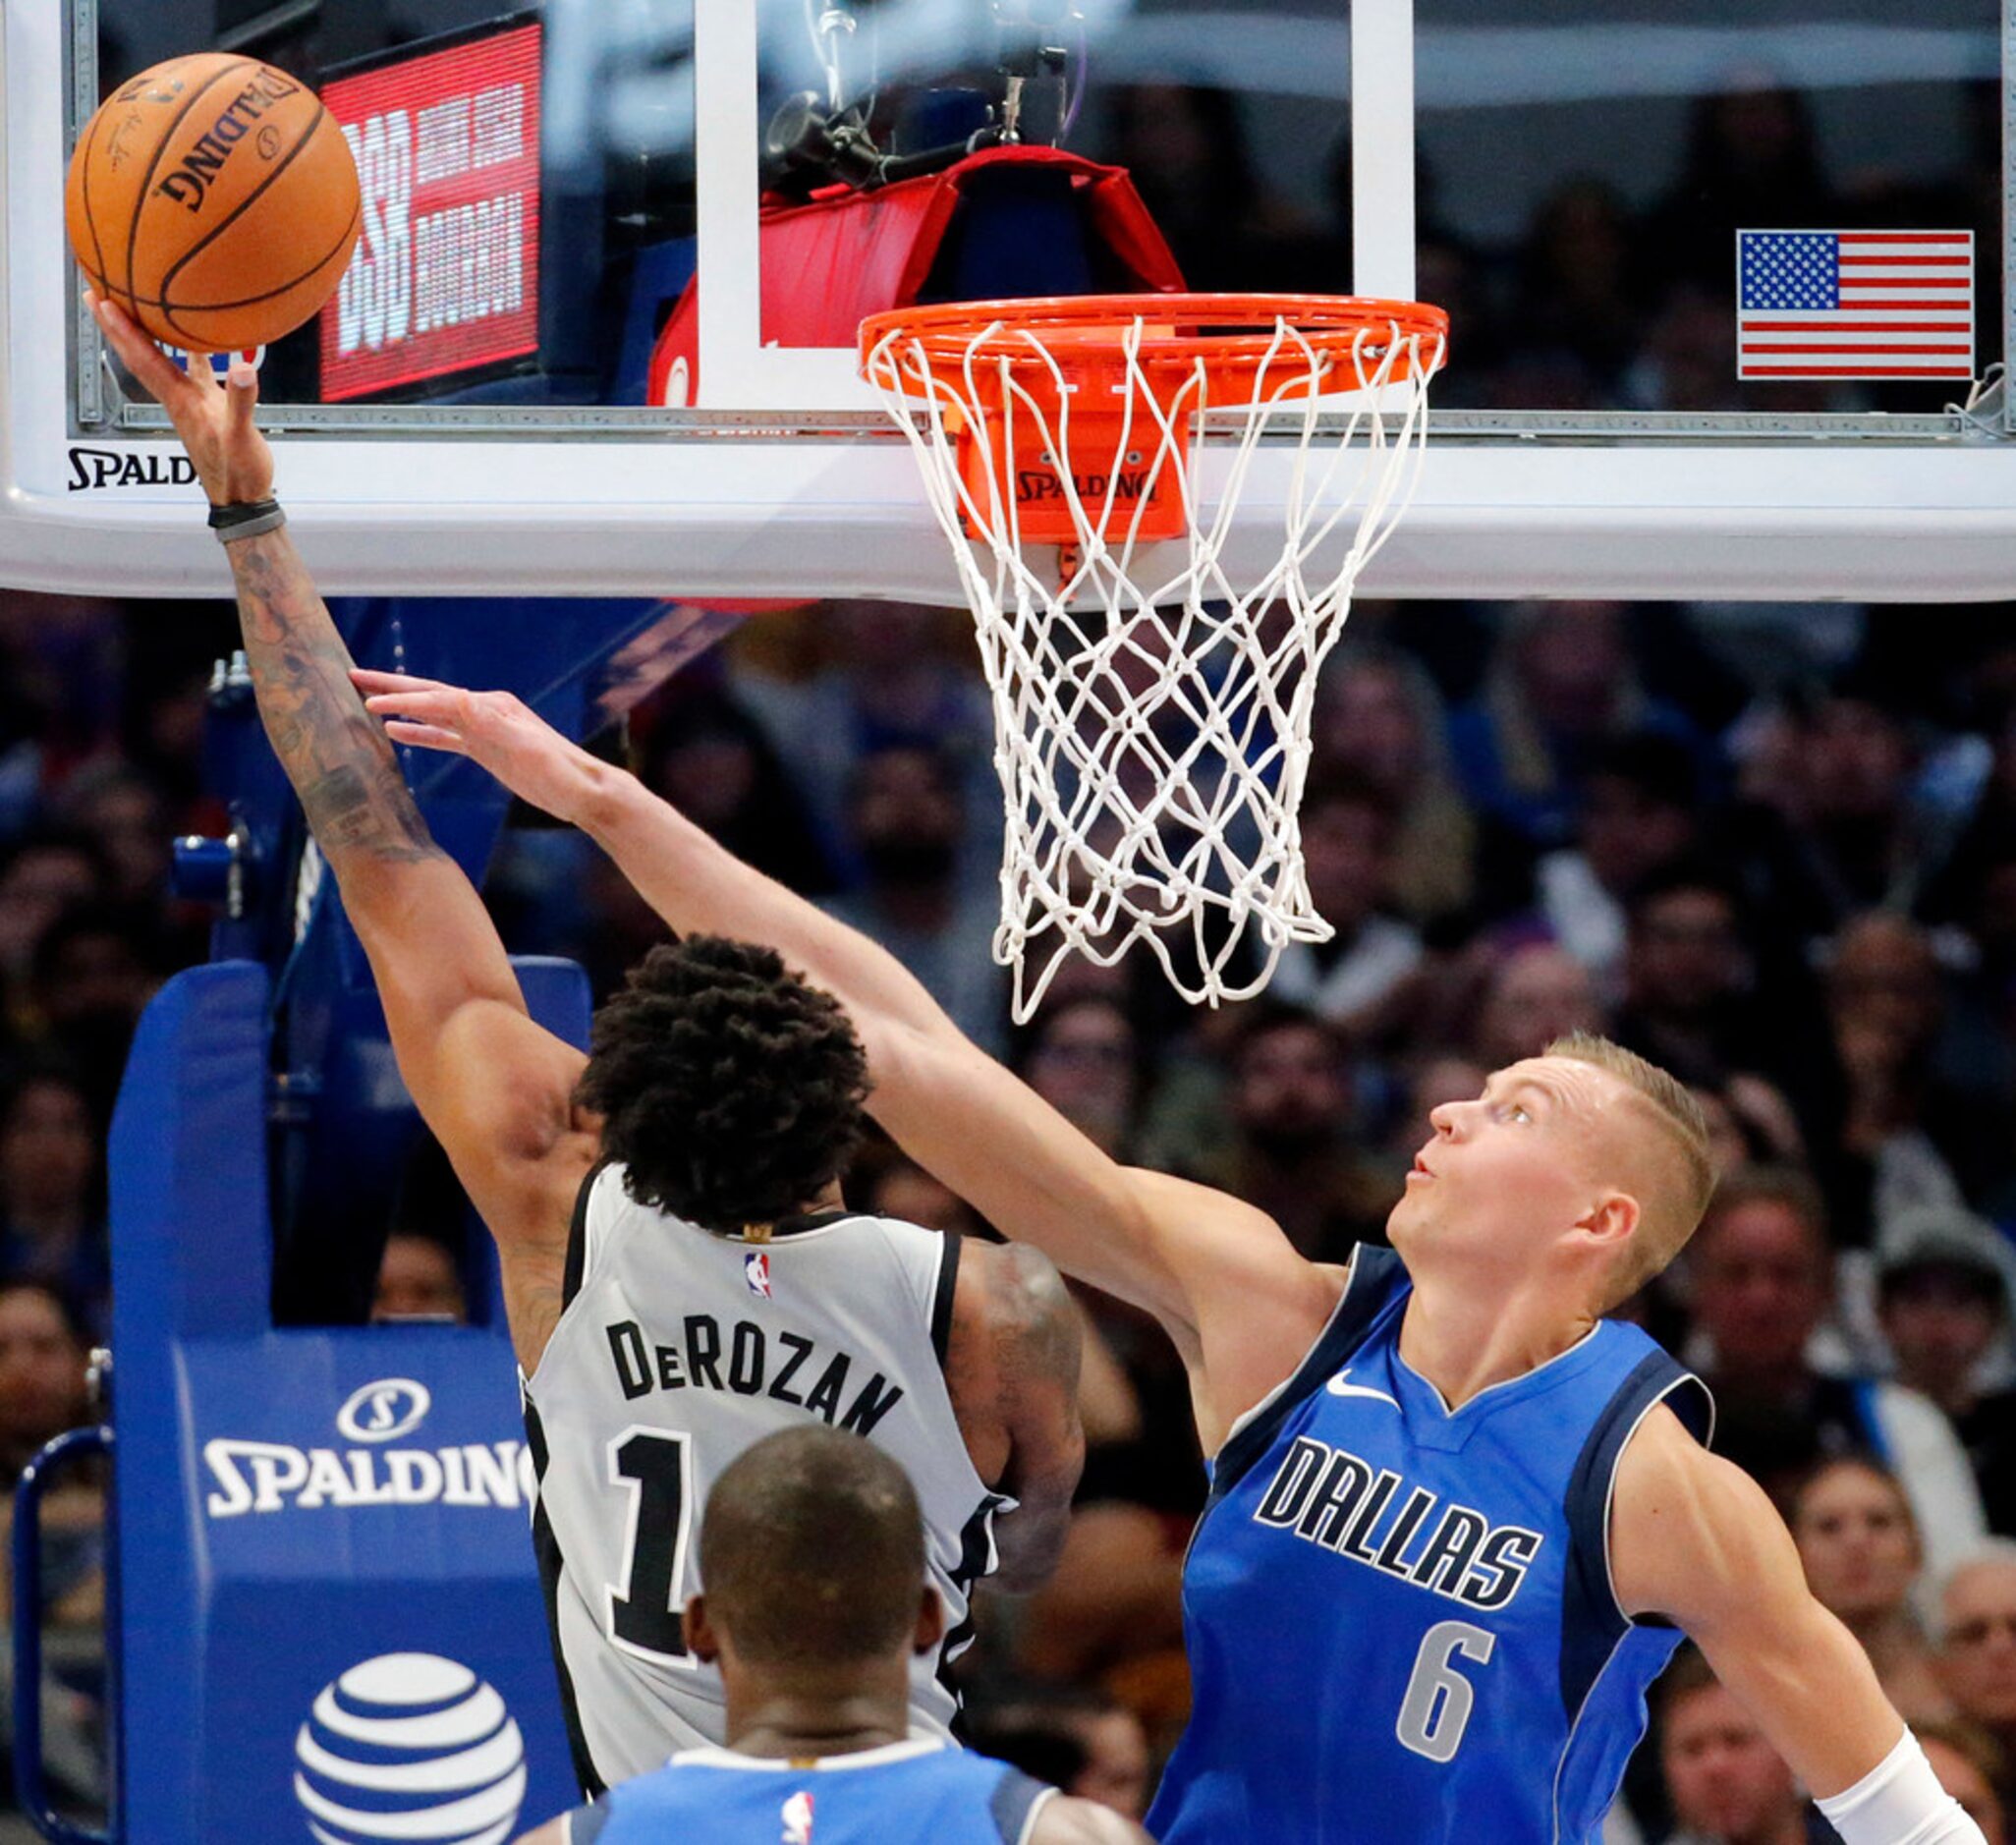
729	1089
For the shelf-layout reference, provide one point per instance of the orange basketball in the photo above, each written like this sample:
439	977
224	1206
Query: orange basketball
215	200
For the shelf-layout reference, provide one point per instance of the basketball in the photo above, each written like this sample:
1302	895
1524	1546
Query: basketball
215	200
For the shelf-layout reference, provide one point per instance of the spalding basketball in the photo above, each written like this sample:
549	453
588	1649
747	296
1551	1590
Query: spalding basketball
215	200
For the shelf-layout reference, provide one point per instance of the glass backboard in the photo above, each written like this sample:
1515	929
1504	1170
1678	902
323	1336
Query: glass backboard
512	391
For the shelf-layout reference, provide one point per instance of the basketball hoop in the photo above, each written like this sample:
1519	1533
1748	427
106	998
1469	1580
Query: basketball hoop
1153	715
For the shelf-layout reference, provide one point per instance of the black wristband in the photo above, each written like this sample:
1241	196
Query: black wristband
246	519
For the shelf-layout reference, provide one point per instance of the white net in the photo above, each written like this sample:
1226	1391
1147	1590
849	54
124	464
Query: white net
1152	713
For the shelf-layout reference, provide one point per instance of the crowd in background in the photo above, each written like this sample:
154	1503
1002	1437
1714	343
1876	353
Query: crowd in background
1601	302
1773	848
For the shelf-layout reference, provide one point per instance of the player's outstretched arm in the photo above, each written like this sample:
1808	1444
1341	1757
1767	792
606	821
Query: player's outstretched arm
1695	1539
1186	1254
494	1087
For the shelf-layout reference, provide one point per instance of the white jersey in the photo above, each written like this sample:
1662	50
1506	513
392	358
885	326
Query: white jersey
675	1351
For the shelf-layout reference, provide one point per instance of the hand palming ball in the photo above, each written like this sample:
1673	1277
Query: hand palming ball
215	200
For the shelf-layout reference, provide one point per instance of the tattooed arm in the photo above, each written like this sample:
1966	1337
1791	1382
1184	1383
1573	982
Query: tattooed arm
495	1088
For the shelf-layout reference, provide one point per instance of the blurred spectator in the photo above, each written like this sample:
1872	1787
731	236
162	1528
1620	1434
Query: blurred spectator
1687	985
1726	1782
42	874
1576	290
1942	1299
87	981
42	1350
1362	979
886	681
896	1188
1852	843
1750	1123
1761	1275
1561	685
1912	1134
708	756
1977	1644
1859	1545
418	1279
1378	718
1640	815
1084	1742
1970	1768
907	823
1193	166
1537	995
1688	361
124	815
1293	1152
52	1228
42	1394
1752	157
1084	1059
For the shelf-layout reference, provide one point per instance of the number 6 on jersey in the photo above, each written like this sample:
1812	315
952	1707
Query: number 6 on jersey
1436	1708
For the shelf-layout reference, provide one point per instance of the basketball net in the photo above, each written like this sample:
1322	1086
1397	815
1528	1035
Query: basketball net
1151	711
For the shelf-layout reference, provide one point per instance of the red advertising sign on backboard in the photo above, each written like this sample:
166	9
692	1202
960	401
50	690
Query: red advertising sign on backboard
446	275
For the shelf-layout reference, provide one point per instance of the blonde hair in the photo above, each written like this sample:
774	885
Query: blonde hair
1668	1216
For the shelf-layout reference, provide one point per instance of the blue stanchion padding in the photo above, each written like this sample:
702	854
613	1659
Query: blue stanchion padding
329	1617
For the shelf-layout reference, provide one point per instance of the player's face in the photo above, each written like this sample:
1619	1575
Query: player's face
1724	1779
1979	1656
1511	1170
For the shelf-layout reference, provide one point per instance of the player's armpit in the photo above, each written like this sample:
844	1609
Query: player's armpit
1062	1820
1696	1539
1016	1342
496	1088
553	1833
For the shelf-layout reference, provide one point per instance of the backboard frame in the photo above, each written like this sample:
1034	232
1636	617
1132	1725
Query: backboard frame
785	480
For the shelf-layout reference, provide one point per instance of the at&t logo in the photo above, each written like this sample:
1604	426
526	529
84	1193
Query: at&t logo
384	1410
409	1746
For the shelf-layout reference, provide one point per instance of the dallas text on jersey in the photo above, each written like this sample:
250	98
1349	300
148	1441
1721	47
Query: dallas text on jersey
1328	1496
750	1363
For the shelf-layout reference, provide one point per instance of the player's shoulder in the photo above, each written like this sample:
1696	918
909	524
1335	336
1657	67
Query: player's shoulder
1687	1528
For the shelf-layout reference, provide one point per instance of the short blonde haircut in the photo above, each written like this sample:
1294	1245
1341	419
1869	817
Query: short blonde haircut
1674	1205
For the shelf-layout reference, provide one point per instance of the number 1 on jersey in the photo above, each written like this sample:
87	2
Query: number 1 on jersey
654	1465
1436	1708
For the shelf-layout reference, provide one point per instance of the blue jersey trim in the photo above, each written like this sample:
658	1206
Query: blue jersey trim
1013	1807
1374	1273
1591	1622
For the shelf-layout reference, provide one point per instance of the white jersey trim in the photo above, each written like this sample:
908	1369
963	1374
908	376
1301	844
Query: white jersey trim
715	1757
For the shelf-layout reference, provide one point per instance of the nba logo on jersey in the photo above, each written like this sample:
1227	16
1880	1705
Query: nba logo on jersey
798	1810
755	1270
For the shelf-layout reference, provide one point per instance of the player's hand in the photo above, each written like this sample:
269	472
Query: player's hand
214	421
491	728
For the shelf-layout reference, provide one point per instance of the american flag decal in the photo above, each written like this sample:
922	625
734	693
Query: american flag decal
1855	304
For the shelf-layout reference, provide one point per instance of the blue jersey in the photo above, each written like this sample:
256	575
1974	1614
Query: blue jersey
922	1792
1400	1620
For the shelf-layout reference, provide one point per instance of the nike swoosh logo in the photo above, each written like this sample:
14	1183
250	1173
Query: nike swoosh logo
1338	1387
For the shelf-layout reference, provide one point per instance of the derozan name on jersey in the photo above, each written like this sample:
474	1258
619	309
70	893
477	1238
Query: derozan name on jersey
272	1476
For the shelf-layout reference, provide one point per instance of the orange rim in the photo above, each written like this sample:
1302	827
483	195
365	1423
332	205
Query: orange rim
1231	334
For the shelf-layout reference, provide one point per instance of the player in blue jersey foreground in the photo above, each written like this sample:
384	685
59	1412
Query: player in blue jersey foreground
813	1551
1457	1518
